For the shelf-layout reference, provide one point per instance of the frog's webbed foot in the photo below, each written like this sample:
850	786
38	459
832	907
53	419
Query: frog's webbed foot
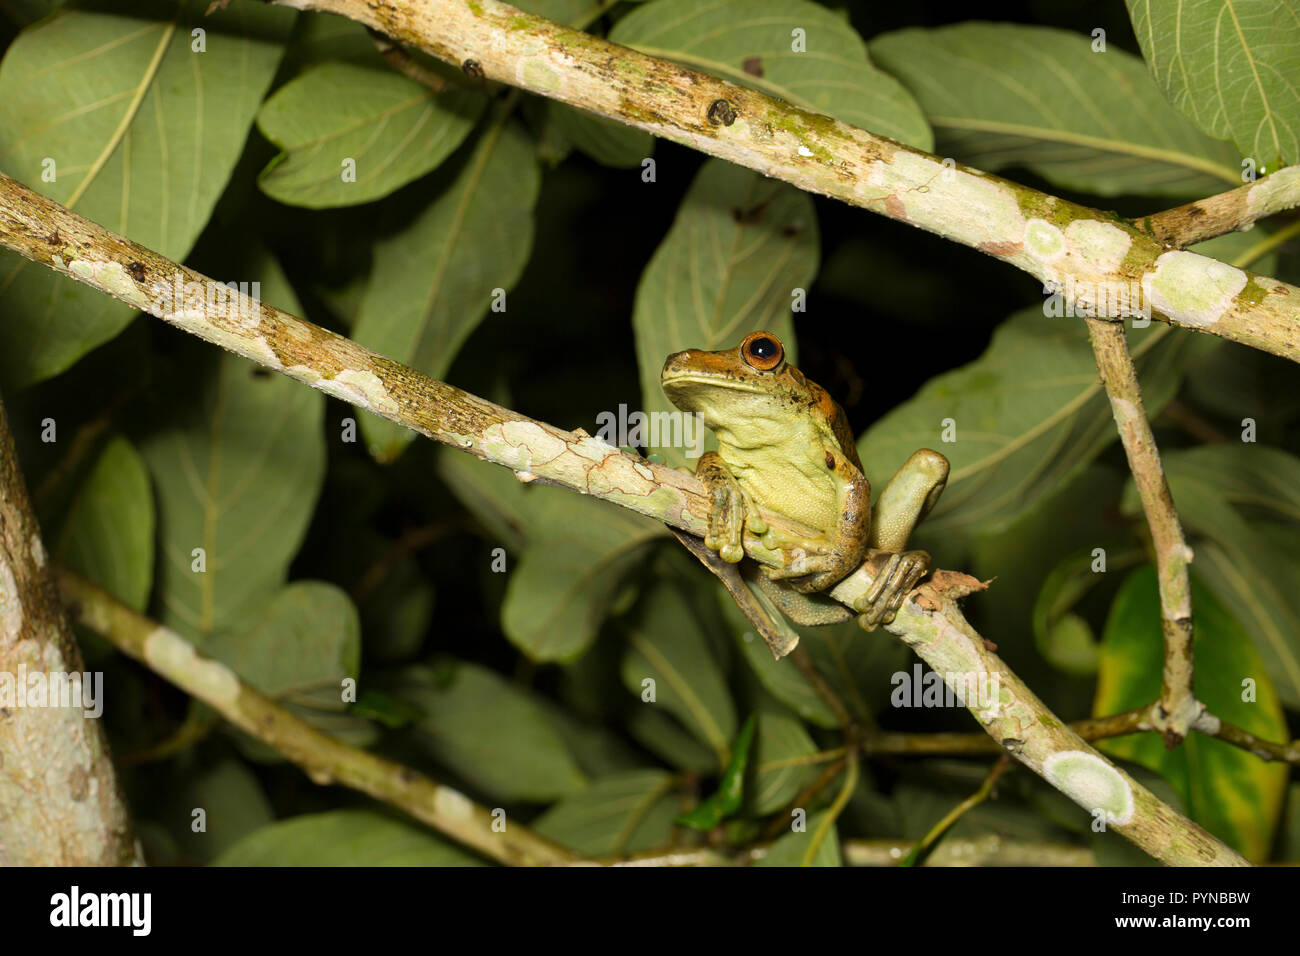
890	587
730	509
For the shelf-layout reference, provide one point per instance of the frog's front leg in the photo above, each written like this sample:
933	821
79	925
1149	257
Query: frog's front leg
730	509
909	497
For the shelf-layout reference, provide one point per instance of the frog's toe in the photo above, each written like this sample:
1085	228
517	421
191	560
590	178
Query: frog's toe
726	522
890	588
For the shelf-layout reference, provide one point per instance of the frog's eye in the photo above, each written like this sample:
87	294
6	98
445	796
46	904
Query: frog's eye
763	351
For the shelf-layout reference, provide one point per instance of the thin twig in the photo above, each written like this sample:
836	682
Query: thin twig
1233	211
324	759
1178	707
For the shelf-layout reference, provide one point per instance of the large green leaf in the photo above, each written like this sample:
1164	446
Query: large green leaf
752	42
781	765
1228	496
433	282
237	462
604	140
492	494
569	574
667	645
143	132
394	129
1029	414
740	246
1229	791
300	650
626	812
1231	66
1000	95
344	838
233	802
489	732
108	534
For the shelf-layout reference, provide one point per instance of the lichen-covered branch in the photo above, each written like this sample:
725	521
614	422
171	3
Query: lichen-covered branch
931	623
60	804
324	759
1178	707
1236	210
1083	251
1010	713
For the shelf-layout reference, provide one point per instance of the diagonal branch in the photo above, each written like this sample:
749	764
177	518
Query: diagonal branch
1063	244
930	623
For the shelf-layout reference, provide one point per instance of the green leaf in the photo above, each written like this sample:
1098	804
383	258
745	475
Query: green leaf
561	590
489	732
739	247
1215	488
1064	638
237	464
570	572
1029	414
667	645
790	849
751	42
394	129
623	813
305	643
1230	67
604	140
492	494
1001	95
234	806
1229	791
108	534
344	838
726	800
664	737
782	680
434	281
781	765
143	133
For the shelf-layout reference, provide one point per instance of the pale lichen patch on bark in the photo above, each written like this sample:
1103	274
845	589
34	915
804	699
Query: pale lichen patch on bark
1092	783
452	803
359	387
168	653
1098	245
1197	289
522	445
954	203
11	605
1275	193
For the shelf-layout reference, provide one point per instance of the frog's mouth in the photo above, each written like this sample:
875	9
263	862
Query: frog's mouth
677	379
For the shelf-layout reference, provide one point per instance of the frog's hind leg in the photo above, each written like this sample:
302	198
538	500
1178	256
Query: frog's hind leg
779	636
910	495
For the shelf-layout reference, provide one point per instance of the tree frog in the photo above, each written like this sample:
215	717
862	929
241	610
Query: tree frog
784	445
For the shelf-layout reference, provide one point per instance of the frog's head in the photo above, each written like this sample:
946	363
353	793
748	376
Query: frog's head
751	383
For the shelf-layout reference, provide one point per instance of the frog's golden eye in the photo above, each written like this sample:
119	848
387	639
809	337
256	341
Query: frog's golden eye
763	351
